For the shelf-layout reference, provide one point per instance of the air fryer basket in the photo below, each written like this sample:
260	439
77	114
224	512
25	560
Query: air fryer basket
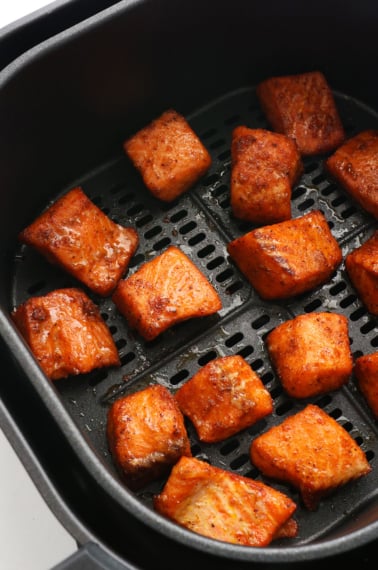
90	122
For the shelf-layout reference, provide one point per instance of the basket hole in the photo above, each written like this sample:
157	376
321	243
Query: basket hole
179	377
315	304
179	216
236	286
153	232
120	343
246	351
205	251
212	179
216	262
367	327
197	239
220	190
306	204
224	275
329	189
257	364
348	301
239	461
229	447
237	337
161	244
284	408
260	322
356	315
298	192
145	220
188	228
335	289
207	358
348	212
136	209
127	358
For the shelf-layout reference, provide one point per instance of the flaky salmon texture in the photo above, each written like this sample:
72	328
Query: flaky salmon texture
163	292
311	451
225	506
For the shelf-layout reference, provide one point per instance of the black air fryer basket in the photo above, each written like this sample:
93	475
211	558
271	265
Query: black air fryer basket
66	106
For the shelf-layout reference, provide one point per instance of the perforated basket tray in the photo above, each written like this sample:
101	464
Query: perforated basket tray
201	224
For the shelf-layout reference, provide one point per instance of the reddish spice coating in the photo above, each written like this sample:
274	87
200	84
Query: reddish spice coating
354	165
366	372
224	397
165	291
146	435
225	506
169	155
288	258
311	353
311	451
66	333
76	235
362	267
265	166
302	107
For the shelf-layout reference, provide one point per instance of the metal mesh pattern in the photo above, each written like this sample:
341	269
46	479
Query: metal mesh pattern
201	224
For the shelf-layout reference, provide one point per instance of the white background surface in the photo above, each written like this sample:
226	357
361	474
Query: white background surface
31	538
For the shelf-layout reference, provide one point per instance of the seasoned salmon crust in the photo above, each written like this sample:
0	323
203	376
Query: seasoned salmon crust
165	291
66	333
76	235
311	451
225	506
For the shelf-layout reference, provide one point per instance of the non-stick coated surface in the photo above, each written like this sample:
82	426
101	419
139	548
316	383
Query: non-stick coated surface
201	223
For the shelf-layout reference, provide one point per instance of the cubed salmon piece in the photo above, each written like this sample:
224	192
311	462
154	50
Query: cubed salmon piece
66	333
265	166
169	155
354	165
288	258
146	435
224	397
225	506
76	235
362	267
311	353
366	372
311	451
165	291
302	107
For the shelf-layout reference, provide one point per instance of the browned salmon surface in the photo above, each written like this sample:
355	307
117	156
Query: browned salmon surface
224	397
311	353
165	291
366	372
288	258
265	166
66	333
302	107
146	435
362	267
76	235
225	506
311	451
169	155
354	165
